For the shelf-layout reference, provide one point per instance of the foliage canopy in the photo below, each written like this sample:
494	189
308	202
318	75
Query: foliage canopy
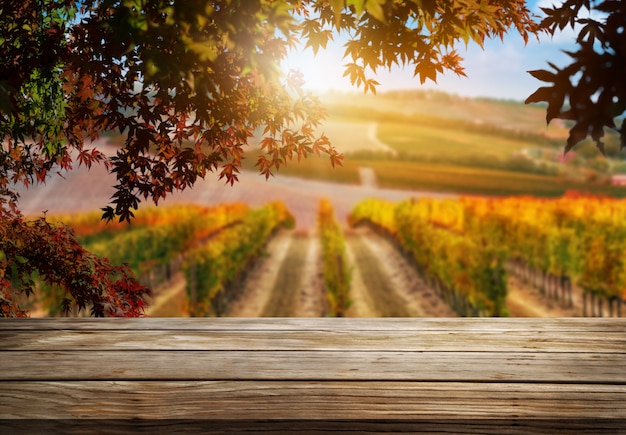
590	91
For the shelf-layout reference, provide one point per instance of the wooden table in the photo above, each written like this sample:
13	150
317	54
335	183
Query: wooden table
419	375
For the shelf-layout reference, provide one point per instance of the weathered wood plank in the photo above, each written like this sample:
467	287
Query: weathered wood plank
320	324
321	340
309	400
312	365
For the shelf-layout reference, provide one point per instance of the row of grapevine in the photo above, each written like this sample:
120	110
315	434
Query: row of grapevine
337	273
163	234
154	241
215	269
467	271
549	243
554	243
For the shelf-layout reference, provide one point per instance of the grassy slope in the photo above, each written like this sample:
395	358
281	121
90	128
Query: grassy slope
313	167
507	114
433	141
427	128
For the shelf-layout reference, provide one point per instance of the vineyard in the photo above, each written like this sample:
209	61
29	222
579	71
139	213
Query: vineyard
466	247
468	256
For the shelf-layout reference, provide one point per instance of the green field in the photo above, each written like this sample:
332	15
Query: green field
437	177
437	142
483	181
507	114
313	167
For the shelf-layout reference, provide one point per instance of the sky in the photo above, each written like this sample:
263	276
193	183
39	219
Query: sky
499	71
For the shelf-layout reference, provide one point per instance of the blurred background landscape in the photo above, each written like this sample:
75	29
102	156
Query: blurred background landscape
397	145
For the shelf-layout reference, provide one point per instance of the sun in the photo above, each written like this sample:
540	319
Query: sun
322	72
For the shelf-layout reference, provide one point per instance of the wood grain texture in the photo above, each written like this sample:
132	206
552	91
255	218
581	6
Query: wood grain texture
309	400
609	368
319	375
580	341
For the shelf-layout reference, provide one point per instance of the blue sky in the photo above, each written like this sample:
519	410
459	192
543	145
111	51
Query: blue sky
498	71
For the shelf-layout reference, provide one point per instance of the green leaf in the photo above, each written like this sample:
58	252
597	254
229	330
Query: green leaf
21	260
337	6
359	6
375	9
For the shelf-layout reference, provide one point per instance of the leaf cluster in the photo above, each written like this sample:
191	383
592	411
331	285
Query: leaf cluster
590	91
51	251
35	133
421	34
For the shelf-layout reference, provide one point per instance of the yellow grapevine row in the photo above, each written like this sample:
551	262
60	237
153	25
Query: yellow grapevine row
574	238
213	269
337	273
467	271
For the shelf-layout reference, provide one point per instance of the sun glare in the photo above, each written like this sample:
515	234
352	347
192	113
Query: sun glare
321	72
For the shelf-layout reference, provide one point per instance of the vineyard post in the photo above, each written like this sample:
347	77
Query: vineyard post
557	289
567	288
552	288
594	309
593	304
553	292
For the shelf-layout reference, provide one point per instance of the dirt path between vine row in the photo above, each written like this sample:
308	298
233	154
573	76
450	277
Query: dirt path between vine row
384	283
526	301
170	298
285	282
288	281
